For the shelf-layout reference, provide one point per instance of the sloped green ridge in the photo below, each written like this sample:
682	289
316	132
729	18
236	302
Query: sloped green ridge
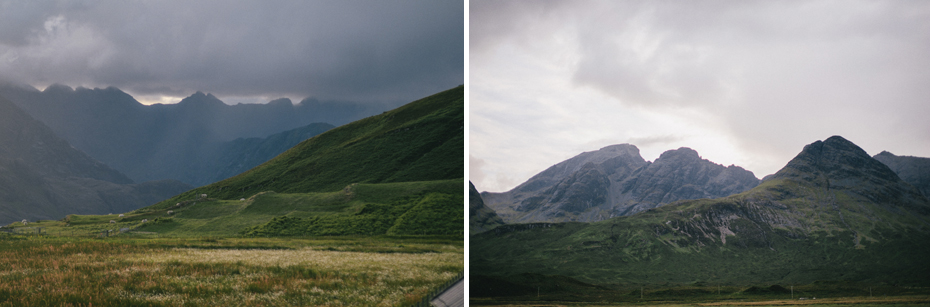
420	141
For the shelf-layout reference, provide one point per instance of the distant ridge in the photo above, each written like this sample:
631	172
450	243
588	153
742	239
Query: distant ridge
913	170
170	141
616	181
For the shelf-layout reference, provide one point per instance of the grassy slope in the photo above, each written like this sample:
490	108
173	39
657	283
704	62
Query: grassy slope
420	141
808	235
348	212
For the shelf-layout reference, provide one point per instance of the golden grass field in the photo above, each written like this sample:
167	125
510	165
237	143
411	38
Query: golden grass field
224	272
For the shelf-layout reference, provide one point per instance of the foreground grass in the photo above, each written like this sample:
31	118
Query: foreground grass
562	291
901	301
42	271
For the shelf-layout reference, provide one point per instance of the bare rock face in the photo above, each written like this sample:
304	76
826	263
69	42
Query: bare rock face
616	181
681	174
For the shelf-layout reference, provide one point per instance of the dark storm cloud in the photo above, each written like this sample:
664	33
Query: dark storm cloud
368	50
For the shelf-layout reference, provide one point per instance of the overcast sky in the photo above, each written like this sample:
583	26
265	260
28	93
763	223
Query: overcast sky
240	50
742	82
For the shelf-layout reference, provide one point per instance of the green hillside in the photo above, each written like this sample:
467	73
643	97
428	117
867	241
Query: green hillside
407	208
398	173
420	141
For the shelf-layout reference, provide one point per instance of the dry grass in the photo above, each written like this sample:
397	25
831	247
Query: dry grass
100	273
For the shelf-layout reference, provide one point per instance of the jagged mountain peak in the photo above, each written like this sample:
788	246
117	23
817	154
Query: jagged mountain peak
285	102
624	149
838	163
611	157
886	153
58	88
614	181
201	99
680	153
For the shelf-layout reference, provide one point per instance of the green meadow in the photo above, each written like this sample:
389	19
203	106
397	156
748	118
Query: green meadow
387	244
407	208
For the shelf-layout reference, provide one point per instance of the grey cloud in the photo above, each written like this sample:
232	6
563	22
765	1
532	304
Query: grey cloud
475	174
361	50
762	78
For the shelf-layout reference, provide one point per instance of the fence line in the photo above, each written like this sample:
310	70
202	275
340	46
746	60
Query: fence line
426	301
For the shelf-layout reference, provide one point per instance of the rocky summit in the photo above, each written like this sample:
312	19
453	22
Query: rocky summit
616	181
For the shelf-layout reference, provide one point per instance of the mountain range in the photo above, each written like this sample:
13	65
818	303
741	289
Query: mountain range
616	181
832	214
397	173
43	177
194	141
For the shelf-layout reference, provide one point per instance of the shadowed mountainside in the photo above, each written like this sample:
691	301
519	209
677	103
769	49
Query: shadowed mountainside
481	218
43	177
913	170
